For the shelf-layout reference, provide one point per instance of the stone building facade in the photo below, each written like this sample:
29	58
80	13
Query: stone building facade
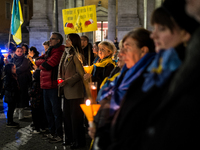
121	16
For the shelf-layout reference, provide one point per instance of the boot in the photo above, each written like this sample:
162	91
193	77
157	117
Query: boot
16	113
21	113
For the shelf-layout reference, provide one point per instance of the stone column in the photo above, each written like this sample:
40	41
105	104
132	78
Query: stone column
150	8
127	17
111	19
39	27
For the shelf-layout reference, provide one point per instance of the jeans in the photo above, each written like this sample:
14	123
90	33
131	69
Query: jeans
52	107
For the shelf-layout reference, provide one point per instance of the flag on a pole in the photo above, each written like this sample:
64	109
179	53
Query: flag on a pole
16	21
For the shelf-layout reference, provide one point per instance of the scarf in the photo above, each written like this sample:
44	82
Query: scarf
164	64
124	80
48	52
102	63
18	60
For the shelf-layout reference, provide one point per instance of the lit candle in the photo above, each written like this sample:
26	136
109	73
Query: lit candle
60	80
32	71
90	111
93	90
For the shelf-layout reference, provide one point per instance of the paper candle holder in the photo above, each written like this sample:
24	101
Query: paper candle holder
90	110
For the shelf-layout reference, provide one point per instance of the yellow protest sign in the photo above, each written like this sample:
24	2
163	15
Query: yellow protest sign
80	19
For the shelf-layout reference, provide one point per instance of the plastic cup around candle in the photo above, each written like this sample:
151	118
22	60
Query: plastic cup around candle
87	69
93	90
60	80
90	111
32	71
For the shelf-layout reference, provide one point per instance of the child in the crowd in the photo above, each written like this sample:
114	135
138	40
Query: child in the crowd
11	89
37	106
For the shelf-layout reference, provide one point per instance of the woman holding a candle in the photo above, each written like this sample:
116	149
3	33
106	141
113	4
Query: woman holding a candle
139	53
99	71
71	72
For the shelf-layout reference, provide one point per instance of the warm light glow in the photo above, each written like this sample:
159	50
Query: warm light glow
87	102
93	87
87	69
32	71
60	80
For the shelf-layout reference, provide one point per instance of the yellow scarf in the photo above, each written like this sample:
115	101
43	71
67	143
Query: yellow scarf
102	63
109	79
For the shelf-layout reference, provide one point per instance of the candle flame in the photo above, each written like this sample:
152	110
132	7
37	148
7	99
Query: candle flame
88	102
93	87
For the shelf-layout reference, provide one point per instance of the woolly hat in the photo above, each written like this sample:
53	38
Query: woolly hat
176	8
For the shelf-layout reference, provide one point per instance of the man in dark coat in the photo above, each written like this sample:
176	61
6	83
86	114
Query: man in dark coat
48	64
87	48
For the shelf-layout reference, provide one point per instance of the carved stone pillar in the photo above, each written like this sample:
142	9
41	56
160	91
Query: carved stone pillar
39	27
127	17
111	19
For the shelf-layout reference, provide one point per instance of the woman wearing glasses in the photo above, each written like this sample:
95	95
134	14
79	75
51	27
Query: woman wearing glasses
103	68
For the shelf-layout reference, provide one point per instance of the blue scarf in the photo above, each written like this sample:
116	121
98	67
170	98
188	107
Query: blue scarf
164	64
122	82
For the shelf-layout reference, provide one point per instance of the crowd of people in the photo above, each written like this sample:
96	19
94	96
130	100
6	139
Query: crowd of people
148	93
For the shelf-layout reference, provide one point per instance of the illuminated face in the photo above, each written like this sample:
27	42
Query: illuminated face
164	38
30	53
68	42
24	49
83	42
95	49
13	69
193	8
104	51
121	55
133	52
19	52
53	40
45	47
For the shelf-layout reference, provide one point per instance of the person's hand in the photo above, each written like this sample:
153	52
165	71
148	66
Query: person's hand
62	84
87	76
91	132
35	67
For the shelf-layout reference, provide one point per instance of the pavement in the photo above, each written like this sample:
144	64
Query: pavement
21	138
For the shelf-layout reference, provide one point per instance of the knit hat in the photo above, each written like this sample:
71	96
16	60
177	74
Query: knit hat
176	8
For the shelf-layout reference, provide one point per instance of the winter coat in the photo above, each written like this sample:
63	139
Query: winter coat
35	92
48	64
175	123
138	105
11	89
24	77
73	75
100	73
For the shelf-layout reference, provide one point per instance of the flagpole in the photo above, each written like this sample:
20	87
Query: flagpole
9	39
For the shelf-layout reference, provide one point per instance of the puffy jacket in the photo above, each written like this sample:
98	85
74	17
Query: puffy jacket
48	64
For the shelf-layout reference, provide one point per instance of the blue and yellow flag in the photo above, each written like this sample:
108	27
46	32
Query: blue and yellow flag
16	22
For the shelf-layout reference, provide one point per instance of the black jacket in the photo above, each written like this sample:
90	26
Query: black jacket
175	124
11	89
136	109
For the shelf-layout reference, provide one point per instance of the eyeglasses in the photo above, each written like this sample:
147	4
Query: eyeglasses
53	39
103	50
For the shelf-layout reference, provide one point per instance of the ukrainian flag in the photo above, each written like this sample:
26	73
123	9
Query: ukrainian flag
16	22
